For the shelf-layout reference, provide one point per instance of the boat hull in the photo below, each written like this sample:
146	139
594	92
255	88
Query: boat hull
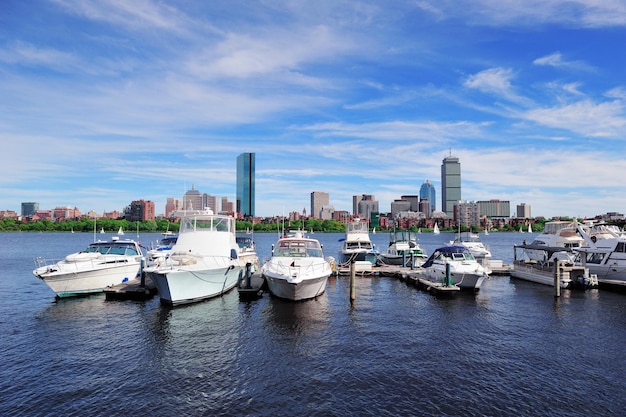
74	282
303	290
179	286
465	280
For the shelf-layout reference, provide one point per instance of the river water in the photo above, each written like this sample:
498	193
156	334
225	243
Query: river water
512	349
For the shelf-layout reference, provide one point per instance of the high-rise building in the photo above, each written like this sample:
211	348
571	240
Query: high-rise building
450	184
466	213
227	206
245	184
28	209
193	200
319	200
363	205
495	208
523	211
414	200
212	202
427	192
172	205
398	206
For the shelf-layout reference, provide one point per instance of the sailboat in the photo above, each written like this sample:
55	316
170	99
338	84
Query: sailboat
120	231
530	228
436	229
520	229
102	231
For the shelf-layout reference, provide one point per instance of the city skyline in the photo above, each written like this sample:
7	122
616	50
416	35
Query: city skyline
108	102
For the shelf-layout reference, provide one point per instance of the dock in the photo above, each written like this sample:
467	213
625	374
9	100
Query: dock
132	290
251	288
414	277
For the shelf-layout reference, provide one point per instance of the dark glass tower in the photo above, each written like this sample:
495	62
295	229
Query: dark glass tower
245	184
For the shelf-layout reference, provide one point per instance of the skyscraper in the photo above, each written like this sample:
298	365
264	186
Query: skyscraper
319	199
450	184
427	192
245	184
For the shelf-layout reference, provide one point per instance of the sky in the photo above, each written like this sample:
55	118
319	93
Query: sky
108	101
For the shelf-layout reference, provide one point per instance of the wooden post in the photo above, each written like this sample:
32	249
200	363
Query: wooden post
412	260
557	279
352	282
248	275
403	259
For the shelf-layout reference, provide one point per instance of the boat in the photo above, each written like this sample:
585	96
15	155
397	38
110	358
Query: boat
472	242
102	231
455	265
356	246
556	234
100	265
556	266
158	253
605	257
403	250
530	228
247	252
436	229
297	269
120	232
204	262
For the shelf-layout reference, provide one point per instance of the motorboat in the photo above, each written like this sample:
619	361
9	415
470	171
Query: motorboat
204	262
403	249
472	242
455	265
559	234
555	266
100	265
158	253
356	246
605	257
297	269
247	252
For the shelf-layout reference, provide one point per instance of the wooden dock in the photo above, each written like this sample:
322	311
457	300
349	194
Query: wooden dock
131	290
416	278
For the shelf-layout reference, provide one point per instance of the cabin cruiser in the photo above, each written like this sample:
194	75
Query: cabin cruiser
403	249
297	269
472	242
605	257
556	266
157	254
356	246
455	265
204	262
100	265
558	234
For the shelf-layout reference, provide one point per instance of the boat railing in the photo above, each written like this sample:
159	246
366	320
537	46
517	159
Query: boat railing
284	268
42	262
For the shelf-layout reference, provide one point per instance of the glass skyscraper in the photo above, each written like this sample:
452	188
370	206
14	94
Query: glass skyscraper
245	184
450	184
427	191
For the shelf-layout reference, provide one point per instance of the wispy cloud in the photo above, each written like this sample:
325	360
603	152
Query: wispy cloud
556	60
495	81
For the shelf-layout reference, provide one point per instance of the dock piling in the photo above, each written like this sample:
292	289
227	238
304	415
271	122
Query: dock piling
352	282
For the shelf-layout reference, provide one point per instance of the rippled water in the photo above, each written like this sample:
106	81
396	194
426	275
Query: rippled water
511	349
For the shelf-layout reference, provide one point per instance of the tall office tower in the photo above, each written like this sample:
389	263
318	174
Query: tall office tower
245	184
450	184
523	211
427	192
192	200
29	209
319	199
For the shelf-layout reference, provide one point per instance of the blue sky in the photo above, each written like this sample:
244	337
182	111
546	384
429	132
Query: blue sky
105	102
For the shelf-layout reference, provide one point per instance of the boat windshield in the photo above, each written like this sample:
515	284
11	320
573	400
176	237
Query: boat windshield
113	249
298	249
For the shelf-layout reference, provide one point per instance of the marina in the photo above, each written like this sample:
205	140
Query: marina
489	353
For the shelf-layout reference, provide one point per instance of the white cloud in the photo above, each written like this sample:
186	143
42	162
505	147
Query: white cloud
556	60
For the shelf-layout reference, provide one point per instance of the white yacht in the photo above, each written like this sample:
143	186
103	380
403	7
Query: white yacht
455	265
403	247
472	242
204	262
357	246
605	257
297	269
101	264
556	234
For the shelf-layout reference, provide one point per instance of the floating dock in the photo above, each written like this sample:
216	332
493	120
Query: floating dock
251	288
131	290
